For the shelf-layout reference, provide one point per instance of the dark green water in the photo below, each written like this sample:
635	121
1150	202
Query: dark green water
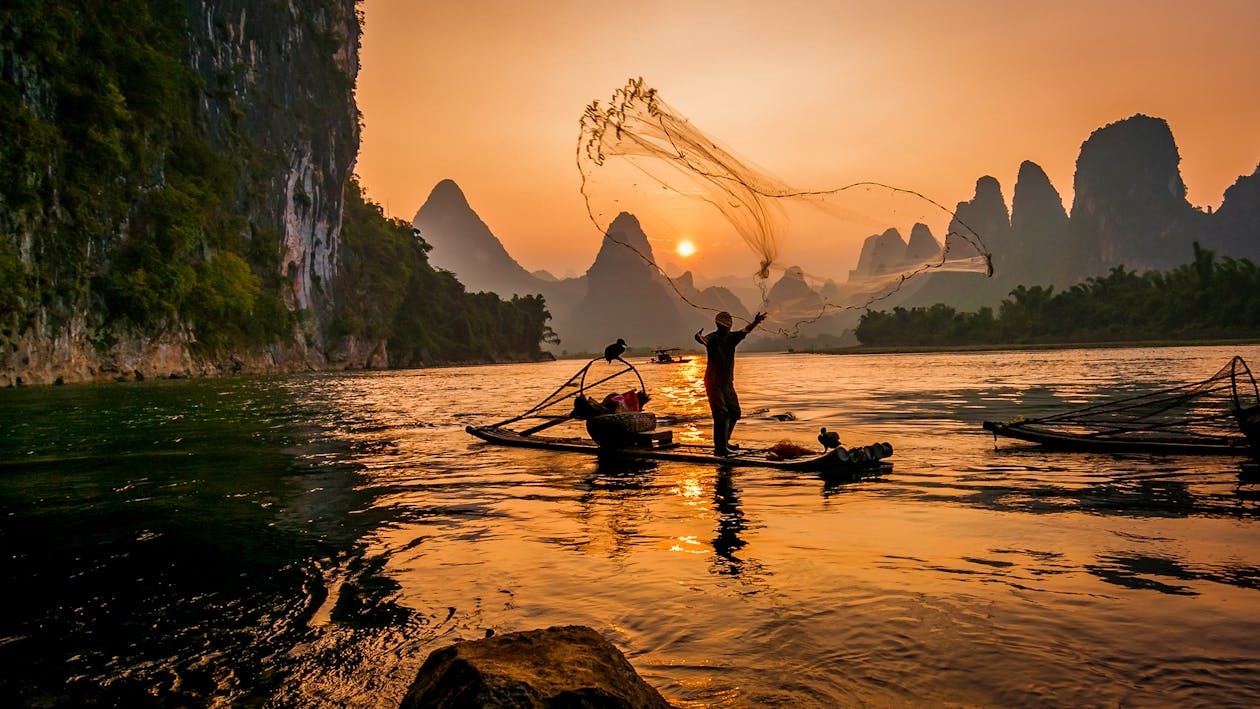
163	542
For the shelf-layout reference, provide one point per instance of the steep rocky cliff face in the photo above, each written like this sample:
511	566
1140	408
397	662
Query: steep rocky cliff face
172	189
1039	230
280	79
1130	204
1236	226
984	215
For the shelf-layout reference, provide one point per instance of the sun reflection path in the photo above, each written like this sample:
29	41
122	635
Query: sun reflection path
681	401
690	544
689	488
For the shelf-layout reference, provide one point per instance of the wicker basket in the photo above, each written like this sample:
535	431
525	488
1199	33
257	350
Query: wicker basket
618	430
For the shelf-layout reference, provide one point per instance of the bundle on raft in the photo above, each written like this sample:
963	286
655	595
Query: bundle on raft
632	432
1219	415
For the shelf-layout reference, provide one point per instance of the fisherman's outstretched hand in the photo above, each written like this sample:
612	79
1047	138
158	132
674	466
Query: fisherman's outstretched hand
755	321
700	337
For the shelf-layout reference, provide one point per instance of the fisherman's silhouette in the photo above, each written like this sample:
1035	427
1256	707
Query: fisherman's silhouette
828	439
615	350
730	522
719	377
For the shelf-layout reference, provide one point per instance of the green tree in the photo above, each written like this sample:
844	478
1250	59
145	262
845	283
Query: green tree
1205	298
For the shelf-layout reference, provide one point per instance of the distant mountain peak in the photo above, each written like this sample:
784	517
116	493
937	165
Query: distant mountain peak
1130	157
627	230
1129	203
1035	199
448	193
625	295
625	246
923	245
465	246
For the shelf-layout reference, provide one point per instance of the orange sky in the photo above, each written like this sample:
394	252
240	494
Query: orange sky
926	95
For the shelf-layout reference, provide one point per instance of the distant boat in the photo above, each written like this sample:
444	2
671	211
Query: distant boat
666	355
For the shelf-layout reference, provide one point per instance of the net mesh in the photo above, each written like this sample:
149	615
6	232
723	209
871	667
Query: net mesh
636	153
1200	412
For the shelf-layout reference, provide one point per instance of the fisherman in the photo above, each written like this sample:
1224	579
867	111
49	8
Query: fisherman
719	377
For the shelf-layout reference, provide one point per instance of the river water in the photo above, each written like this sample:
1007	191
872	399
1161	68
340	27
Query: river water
308	540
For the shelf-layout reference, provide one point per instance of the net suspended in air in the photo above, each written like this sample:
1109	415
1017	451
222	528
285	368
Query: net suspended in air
637	154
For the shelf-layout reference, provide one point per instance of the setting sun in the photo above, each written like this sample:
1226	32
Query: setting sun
686	248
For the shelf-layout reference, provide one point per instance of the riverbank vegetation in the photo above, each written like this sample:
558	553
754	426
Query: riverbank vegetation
1206	299
389	291
115	202
141	195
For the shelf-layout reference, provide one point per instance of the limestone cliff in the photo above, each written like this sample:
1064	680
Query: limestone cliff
985	215
625	297
282	75
1130	206
1039	233
1236	226
173	190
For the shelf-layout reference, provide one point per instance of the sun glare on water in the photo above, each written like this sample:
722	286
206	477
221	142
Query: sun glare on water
686	248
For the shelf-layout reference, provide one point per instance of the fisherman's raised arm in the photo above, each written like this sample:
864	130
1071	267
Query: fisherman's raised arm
755	322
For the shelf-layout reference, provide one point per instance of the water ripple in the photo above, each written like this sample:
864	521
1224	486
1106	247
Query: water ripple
306	541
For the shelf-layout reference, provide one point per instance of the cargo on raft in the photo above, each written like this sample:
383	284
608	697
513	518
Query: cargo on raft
619	427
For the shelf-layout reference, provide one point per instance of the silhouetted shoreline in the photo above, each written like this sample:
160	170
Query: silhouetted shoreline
907	349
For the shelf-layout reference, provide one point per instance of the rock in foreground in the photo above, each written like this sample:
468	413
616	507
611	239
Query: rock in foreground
571	666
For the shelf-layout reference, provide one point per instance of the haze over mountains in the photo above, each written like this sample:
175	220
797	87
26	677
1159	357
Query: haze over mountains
620	295
1129	210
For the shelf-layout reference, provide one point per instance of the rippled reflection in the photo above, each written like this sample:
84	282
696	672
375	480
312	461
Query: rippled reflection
680	396
306	541
730	523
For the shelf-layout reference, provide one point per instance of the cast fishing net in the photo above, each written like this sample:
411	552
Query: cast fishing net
637	154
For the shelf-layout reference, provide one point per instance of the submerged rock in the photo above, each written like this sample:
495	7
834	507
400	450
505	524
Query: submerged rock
571	666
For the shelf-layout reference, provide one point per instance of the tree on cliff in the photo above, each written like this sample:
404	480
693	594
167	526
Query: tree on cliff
1206	298
172	175
135	178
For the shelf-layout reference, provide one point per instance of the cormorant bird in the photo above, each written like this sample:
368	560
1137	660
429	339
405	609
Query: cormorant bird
828	439
615	350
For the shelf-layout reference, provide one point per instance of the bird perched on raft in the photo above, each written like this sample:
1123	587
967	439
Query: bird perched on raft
828	439
615	350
